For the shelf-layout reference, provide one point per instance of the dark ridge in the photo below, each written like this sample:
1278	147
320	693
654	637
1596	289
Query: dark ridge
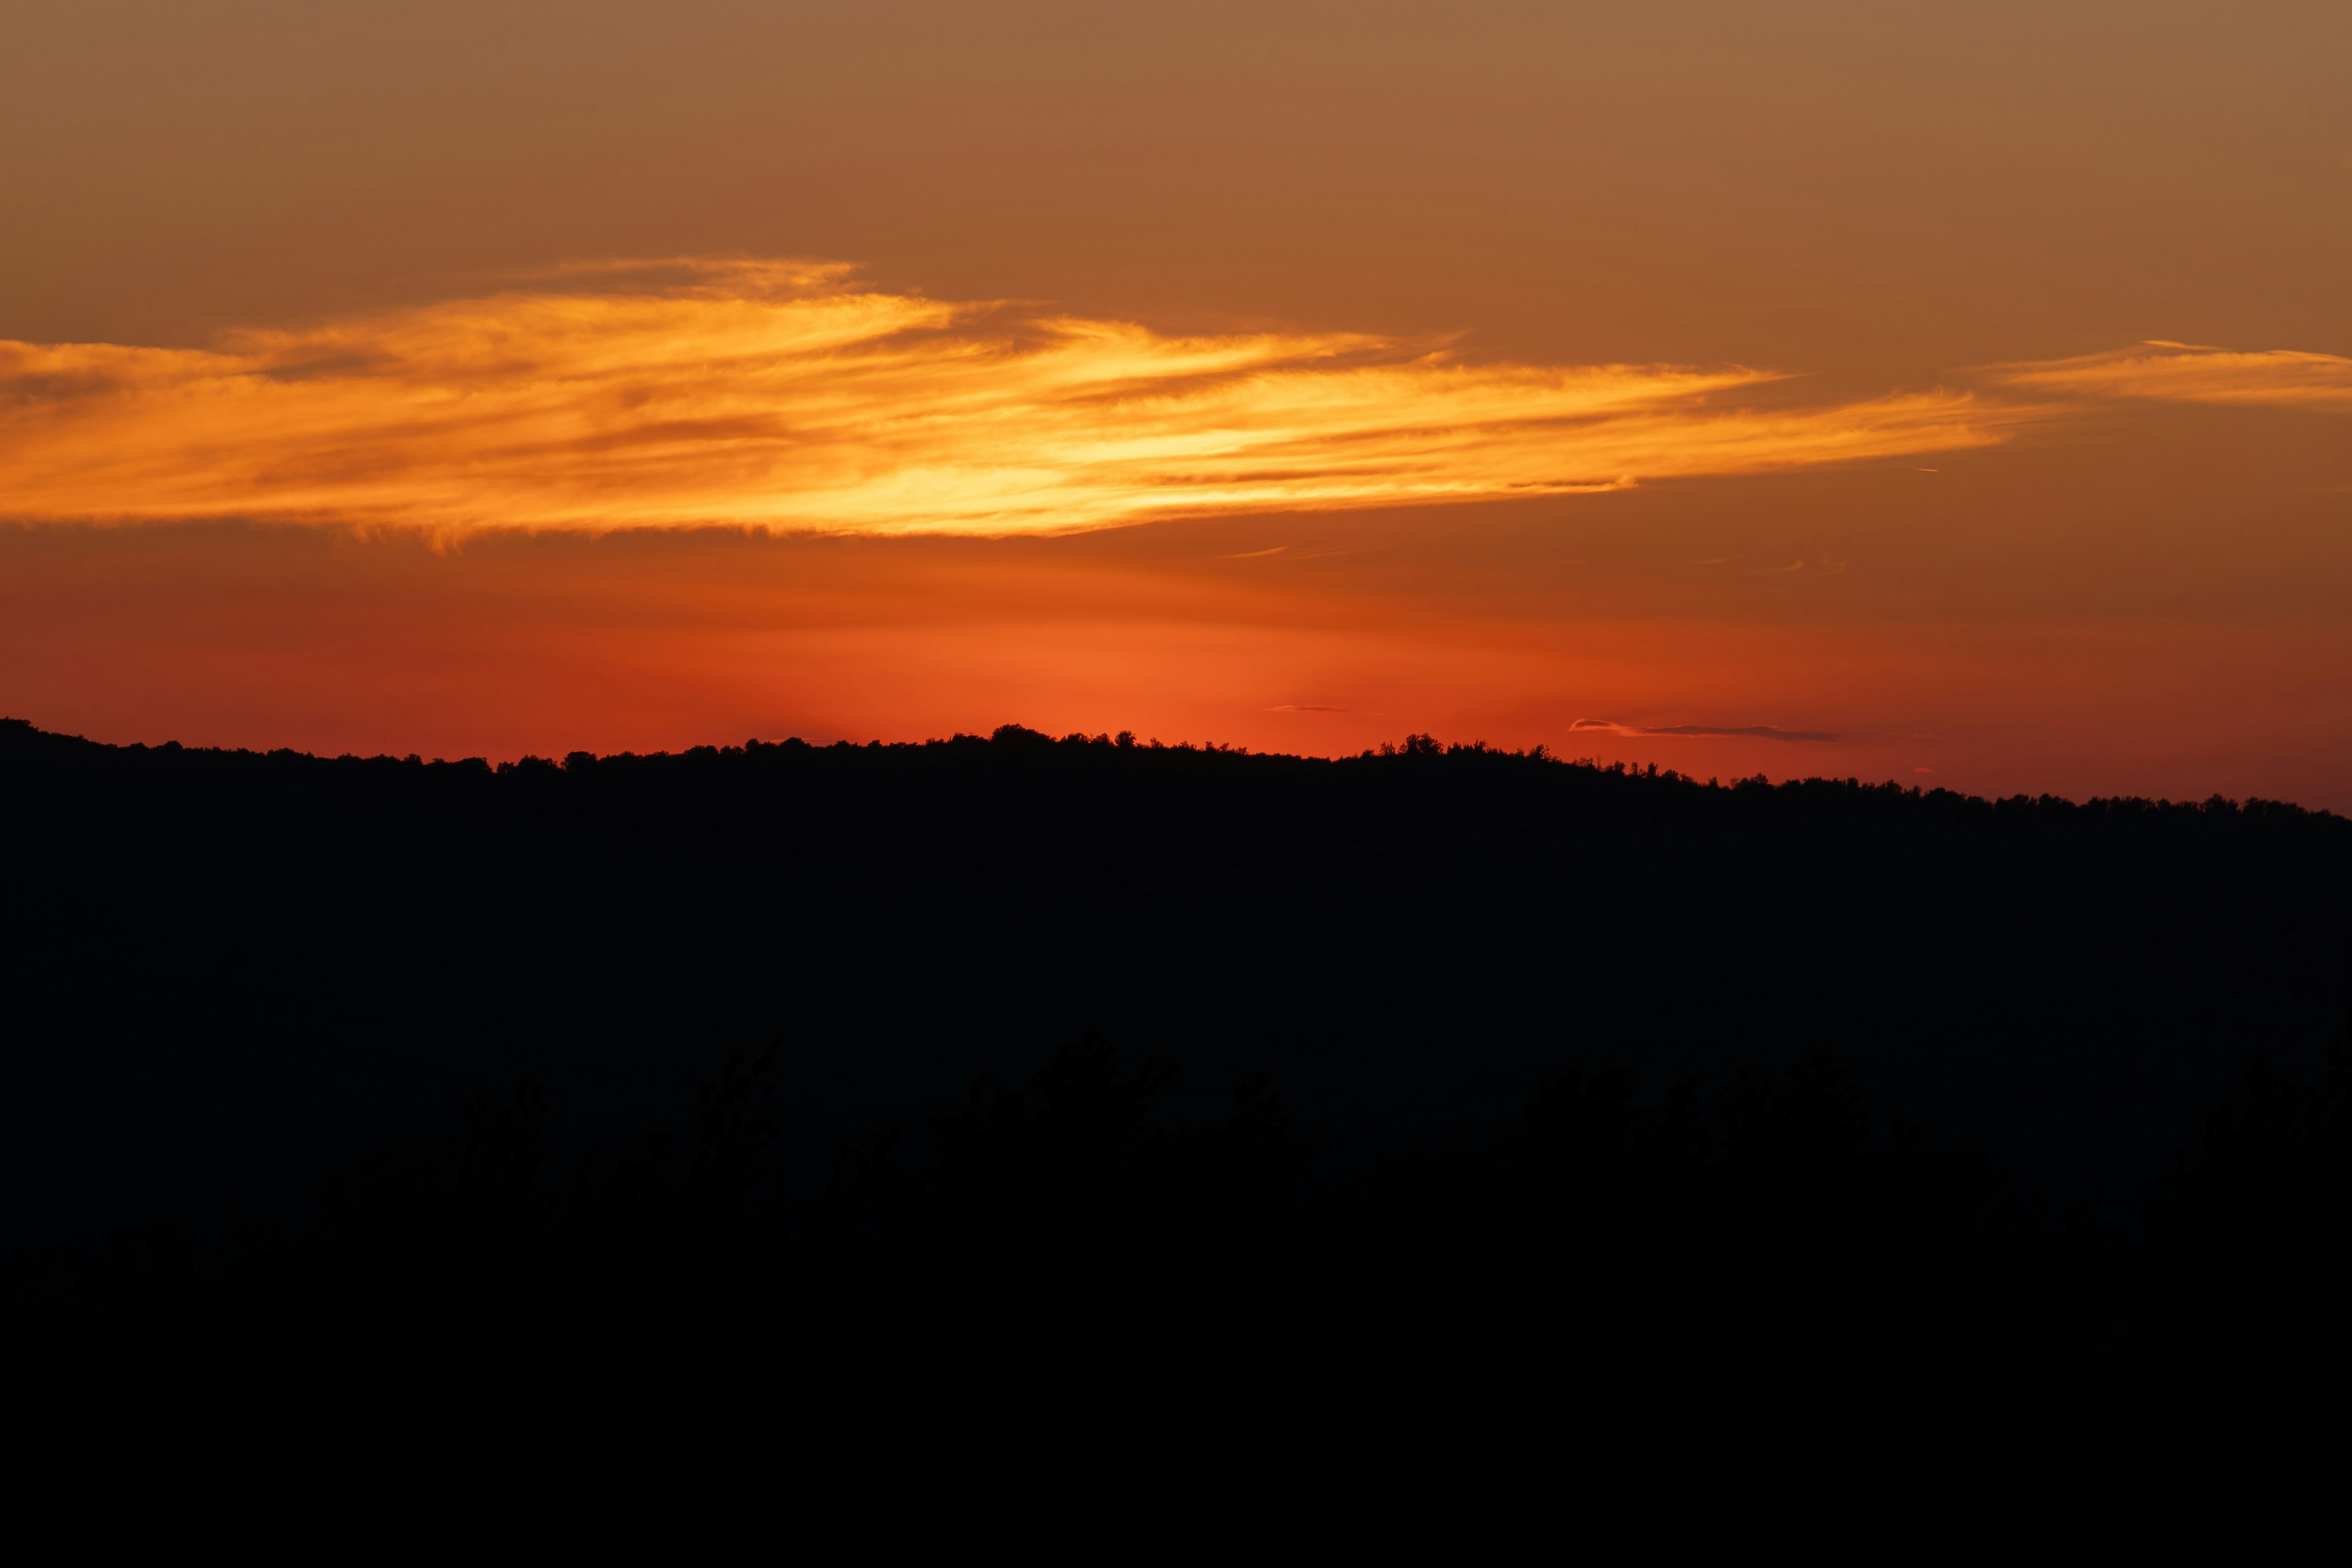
217	946
1820	1031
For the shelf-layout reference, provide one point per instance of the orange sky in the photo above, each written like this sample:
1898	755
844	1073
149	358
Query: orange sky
1956	393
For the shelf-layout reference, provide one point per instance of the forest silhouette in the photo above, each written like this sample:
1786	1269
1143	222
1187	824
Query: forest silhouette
1100	1077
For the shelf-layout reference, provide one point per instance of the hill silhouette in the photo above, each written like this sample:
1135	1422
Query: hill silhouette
1507	1025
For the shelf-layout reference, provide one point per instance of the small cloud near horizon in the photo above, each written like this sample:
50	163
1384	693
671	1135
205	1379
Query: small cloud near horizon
1705	731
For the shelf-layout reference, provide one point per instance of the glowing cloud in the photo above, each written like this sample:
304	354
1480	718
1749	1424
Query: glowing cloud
2190	373
776	395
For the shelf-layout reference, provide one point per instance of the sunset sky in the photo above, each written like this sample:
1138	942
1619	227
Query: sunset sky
1955	394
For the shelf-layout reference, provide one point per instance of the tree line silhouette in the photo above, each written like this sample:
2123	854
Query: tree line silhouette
1564	1087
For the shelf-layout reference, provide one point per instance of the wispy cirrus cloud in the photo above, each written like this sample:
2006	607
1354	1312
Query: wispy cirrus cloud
2193	373
780	396
1705	731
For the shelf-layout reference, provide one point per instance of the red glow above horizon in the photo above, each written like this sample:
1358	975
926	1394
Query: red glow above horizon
1785	398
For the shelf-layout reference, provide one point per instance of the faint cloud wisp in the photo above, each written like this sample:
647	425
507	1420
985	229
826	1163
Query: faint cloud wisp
2194	373
1704	731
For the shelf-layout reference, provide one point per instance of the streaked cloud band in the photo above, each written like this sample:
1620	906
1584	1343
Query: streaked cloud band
779	395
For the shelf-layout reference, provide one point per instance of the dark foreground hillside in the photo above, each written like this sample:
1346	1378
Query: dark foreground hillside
1513	1025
